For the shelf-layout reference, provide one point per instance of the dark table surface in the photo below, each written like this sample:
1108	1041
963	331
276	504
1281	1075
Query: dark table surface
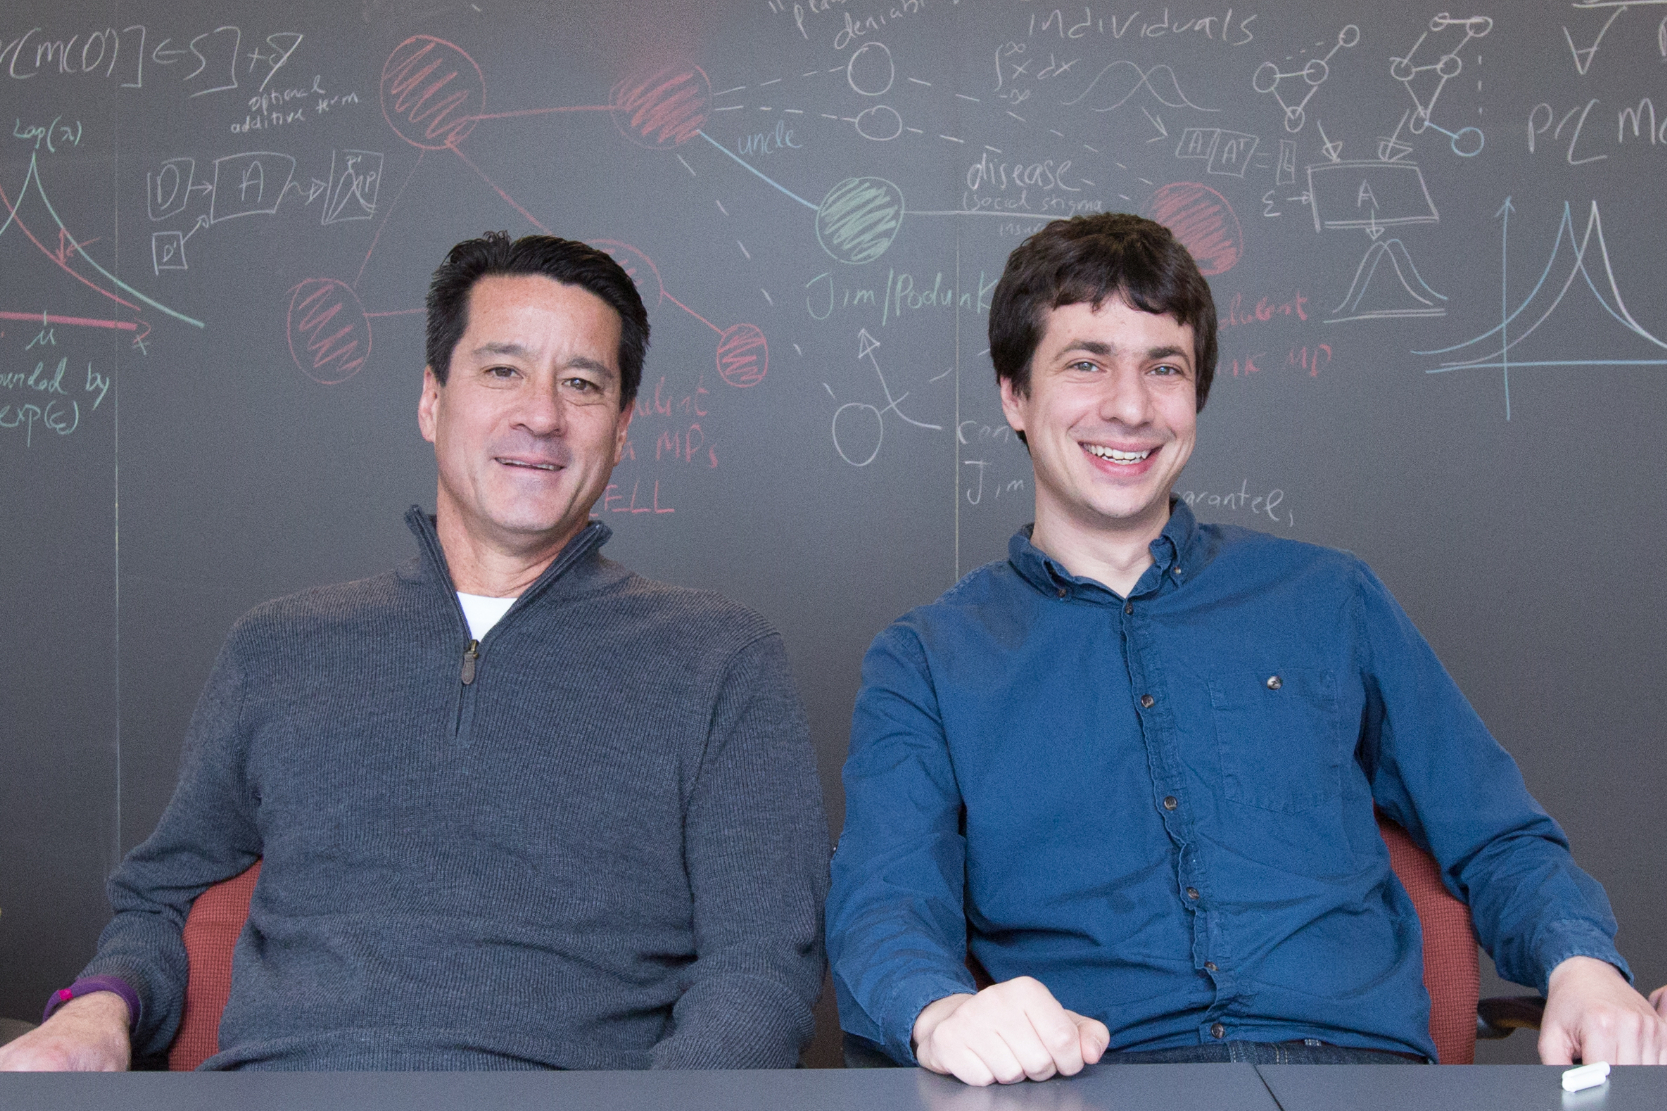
1099	1088
1450	1087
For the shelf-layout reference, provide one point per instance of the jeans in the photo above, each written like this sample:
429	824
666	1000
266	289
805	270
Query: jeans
863	1054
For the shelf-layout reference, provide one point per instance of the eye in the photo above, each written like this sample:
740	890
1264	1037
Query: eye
501	372
1085	365
582	385
1170	370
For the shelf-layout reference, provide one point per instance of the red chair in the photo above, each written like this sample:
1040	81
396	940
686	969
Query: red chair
1451	972
211	931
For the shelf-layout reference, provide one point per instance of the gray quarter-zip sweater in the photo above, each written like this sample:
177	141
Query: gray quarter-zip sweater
595	839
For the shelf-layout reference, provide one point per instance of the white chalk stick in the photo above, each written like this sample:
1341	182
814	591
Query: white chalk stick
1586	1076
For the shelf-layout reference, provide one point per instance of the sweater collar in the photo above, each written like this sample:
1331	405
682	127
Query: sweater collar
583	545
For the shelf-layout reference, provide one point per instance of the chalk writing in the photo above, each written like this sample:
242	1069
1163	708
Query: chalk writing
1268	505
53	135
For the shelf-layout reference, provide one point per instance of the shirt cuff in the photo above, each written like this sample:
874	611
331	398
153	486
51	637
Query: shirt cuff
1575	939
908	999
91	984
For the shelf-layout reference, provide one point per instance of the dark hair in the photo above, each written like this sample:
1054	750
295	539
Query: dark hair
1089	259
563	260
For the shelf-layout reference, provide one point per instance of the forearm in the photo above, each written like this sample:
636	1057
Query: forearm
756	845
88	1034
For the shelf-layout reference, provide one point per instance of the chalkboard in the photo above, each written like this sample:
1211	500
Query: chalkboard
1434	236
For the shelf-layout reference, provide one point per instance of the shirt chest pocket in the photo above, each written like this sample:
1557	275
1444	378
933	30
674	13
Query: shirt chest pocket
1279	737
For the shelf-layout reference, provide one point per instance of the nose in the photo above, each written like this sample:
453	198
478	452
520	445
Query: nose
1125	398
543	411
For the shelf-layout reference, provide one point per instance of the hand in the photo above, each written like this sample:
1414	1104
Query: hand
1005	1033
1592	1013
88	1034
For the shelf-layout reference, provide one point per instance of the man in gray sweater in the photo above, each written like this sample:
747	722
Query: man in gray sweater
591	837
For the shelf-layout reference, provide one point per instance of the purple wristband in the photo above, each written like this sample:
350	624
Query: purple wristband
90	985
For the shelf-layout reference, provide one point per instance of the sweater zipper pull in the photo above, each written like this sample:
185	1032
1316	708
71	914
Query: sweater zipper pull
470	655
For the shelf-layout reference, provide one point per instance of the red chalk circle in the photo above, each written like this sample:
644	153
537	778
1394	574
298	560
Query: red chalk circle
662	108
329	334
650	286
431	92
1203	221
743	356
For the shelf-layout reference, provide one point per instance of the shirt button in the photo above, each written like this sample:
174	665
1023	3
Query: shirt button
1211	965
1147	700
1218	1031
1275	682
1192	892
1128	607
1063	592
1170	802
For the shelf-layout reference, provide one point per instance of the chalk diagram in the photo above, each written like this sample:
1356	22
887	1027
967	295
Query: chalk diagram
1583	55
863	422
859	218
1494	347
1268	77
433	96
71	257
1466	142
1373	197
1203	221
1224	152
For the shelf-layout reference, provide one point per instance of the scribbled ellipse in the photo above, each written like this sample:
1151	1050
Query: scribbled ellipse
879	122
431	92
743	356
329	333
1203	221
871	70
662	108
650	286
859	218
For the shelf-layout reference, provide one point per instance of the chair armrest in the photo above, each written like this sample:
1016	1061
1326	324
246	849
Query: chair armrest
1498	1017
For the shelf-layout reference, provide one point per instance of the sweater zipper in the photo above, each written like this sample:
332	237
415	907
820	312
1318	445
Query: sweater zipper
466	694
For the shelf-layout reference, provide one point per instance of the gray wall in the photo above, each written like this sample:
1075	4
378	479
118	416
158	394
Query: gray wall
197	184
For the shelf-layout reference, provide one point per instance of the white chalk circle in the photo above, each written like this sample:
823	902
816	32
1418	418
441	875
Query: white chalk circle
870	70
859	218
880	123
857	432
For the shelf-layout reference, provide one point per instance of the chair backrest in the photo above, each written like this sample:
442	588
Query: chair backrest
211	931
1451	972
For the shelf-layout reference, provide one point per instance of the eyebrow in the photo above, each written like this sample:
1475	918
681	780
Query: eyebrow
1106	350
578	362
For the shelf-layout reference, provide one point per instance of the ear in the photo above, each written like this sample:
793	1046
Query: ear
1013	405
620	431
428	405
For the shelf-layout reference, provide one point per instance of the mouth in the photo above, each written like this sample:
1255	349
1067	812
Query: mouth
1117	456
527	464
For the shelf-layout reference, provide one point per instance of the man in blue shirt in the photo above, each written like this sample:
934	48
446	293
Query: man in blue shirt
1131	769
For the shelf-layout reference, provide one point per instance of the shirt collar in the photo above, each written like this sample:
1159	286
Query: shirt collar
1174	557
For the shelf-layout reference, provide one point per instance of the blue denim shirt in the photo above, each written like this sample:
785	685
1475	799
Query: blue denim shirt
1161	806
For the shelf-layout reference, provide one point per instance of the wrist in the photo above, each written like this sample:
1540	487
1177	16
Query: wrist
1580	966
932	1015
106	995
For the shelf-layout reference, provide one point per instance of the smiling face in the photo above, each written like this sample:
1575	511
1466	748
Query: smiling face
528	426
1110	418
